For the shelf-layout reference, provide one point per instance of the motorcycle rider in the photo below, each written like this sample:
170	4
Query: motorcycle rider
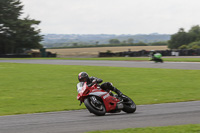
152	53
107	86
155	56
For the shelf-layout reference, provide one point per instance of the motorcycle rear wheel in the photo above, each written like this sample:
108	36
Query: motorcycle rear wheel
98	110
129	105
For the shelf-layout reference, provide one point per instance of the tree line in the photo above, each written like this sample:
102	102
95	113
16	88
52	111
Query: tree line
179	40
185	40
17	34
130	42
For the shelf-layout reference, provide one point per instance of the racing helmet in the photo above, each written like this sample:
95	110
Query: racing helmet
83	77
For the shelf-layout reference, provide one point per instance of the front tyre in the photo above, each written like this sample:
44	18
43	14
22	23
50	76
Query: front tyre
95	106
129	105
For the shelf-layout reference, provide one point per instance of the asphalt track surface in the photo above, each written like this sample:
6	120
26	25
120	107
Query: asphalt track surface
81	120
139	64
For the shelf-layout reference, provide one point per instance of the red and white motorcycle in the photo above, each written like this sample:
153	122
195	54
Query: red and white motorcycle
99	101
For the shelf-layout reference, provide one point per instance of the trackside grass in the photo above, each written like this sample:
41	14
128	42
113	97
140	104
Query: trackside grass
32	88
169	129
186	59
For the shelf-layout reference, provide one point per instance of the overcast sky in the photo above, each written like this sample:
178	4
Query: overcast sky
113	16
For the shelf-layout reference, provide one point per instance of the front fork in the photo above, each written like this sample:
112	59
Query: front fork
94	100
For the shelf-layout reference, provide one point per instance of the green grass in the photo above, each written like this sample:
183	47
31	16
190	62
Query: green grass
30	88
169	129
187	59
97	58
182	59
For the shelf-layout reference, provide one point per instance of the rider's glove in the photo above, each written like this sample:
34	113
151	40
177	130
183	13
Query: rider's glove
94	81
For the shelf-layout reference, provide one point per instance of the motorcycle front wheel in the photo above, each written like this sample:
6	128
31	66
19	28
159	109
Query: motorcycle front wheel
95	106
129	105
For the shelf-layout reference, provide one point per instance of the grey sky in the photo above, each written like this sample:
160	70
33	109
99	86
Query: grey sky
113	16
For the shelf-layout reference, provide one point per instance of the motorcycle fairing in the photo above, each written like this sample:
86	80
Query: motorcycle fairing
99	94
82	92
110	102
92	91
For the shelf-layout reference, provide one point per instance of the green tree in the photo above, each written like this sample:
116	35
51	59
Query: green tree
97	42
185	38
75	44
183	47
130	40
178	39
114	41
158	44
17	34
195	33
194	45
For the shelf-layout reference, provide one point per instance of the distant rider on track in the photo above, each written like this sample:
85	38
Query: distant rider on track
154	56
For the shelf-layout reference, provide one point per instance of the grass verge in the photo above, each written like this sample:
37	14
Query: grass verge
186	59
169	129
32	88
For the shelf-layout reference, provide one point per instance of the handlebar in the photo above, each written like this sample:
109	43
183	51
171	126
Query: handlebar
90	85
93	82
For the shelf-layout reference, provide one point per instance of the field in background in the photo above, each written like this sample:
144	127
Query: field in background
30	88
94	51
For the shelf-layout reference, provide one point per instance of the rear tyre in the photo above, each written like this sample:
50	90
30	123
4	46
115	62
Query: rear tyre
129	105
95	107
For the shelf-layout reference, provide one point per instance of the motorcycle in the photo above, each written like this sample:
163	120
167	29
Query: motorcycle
156	58
100	102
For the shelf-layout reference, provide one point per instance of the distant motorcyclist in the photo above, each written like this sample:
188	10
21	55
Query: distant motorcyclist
155	56
107	86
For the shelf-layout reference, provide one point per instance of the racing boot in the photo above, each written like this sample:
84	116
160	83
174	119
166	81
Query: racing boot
119	93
